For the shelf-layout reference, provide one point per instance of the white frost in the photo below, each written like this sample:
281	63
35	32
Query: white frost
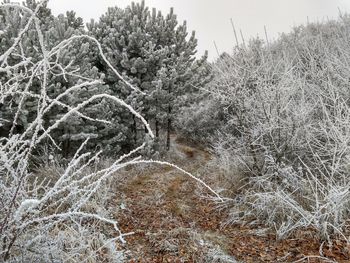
25	207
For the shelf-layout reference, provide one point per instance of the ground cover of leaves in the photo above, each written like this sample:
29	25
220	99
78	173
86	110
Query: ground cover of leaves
173	222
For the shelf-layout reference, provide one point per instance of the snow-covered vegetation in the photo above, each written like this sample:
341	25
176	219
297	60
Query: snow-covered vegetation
54	97
82	108
280	116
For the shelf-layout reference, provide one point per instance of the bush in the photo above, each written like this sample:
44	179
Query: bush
285	108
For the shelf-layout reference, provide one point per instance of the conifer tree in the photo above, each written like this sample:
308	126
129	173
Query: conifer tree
76	58
11	22
152	51
156	55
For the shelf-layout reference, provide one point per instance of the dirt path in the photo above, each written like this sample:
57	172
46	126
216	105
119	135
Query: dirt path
174	224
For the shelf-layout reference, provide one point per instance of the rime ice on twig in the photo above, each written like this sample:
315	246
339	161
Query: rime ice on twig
32	210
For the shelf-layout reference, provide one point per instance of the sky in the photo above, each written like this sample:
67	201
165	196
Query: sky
211	18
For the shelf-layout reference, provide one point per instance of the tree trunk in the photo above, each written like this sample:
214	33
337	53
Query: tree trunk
134	129
66	144
157	129
168	129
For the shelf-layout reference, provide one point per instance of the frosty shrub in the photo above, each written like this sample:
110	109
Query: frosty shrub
51	219
286	114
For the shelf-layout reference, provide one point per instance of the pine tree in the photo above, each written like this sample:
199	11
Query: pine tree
76	57
11	22
154	53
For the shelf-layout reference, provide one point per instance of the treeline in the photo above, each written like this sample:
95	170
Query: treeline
152	51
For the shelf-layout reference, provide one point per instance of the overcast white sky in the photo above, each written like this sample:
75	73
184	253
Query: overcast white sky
211	18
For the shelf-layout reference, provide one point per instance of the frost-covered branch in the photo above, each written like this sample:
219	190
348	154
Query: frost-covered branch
40	214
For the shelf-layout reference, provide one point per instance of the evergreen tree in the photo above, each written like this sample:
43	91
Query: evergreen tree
156	55
11	22
76	58
152	51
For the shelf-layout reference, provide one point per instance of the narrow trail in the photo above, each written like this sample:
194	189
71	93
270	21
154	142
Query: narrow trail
174	223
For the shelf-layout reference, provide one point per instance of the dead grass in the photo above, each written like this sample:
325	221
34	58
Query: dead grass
174	224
